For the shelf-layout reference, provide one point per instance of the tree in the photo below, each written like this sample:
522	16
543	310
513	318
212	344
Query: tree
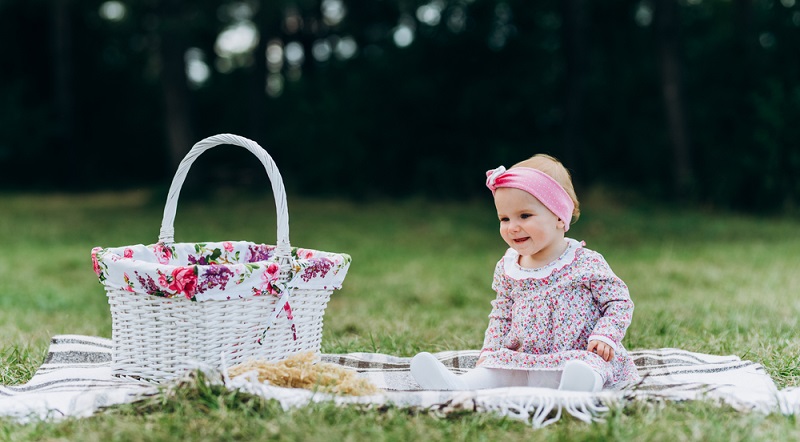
170	51
575	57
63	87
670	68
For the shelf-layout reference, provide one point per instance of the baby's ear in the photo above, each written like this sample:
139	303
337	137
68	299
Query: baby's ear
560	224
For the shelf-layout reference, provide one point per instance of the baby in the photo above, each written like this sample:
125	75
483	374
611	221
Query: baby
560	313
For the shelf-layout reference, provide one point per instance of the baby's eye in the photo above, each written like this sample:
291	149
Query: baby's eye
504	219
525	215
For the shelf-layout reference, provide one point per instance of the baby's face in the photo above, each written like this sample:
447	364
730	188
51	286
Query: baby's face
526	225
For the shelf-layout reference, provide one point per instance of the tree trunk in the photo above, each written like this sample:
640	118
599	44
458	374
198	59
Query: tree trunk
667	27
171	51
744	72
64	127
575	56
258	73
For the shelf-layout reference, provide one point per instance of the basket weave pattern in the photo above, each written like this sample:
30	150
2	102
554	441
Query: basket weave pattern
156	338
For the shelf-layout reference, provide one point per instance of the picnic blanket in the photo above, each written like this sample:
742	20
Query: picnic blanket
75	381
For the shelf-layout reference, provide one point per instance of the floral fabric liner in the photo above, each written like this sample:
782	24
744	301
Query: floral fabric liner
214	270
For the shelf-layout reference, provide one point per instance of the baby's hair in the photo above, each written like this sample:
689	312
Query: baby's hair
558	172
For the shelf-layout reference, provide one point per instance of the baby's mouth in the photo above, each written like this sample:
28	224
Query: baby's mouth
521	240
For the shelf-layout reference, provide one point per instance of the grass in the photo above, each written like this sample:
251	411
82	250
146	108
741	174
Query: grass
710	282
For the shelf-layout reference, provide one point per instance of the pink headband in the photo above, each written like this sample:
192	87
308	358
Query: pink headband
539	184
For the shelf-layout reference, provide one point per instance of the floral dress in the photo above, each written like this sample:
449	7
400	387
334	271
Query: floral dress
544	317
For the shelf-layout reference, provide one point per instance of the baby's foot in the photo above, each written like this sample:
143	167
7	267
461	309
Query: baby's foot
431	374
579	376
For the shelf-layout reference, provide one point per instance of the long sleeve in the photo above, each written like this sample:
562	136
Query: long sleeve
500	316
614	301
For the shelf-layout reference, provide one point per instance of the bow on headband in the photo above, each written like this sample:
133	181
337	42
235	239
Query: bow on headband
539	184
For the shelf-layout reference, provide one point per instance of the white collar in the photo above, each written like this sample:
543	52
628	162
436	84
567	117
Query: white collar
514	270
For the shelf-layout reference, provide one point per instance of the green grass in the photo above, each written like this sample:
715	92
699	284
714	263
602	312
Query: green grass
710	282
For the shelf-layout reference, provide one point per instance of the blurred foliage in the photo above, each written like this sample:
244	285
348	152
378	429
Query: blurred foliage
483	85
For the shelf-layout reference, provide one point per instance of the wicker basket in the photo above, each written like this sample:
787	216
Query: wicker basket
179	305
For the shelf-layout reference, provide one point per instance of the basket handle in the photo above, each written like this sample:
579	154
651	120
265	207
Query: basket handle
167	234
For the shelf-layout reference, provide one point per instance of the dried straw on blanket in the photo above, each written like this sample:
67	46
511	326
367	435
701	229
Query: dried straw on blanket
303	371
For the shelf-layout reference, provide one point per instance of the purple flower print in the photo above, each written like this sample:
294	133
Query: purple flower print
205	260
215	276
149	285
197	261
259	252
319	267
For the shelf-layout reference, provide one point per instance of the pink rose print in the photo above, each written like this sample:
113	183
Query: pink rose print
269	277
305	253
163	254
128	253
227	246
162	280
184	280
95	263
129	286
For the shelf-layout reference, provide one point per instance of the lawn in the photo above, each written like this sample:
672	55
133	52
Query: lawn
703	281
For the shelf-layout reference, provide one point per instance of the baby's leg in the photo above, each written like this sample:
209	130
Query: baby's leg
480	378
544	378
431	374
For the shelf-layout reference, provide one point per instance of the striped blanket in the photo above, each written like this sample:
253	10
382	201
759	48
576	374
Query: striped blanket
75	380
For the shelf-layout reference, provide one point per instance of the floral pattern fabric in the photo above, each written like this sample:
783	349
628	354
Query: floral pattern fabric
542	318
215	270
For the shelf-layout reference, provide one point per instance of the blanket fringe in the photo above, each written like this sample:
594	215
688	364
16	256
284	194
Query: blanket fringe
542	410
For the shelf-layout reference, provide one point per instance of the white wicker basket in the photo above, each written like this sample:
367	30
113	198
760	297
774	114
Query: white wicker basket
174	319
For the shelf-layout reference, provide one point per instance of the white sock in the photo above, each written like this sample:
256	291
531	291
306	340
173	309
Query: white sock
431	374
579	376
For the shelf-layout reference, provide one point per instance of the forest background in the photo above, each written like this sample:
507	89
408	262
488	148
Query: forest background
691	100
405	104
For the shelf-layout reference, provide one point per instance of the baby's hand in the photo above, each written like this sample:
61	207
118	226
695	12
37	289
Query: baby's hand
602	349
512	343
